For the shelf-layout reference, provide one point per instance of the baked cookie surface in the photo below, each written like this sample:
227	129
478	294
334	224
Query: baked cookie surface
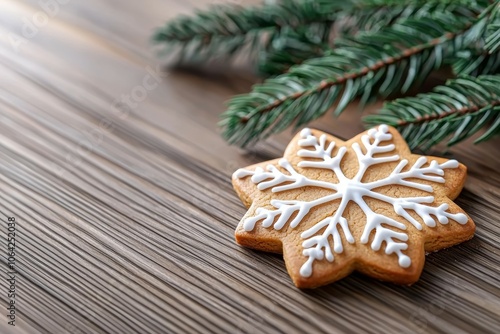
367	204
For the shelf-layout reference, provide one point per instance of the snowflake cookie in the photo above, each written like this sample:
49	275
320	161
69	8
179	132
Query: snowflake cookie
367	204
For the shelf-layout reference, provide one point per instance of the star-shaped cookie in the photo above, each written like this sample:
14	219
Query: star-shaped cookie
367	204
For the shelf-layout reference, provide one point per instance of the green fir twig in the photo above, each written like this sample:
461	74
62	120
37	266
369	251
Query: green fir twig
370	64
456	111
327	53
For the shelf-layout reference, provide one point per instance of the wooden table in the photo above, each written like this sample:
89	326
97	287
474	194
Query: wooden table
119	182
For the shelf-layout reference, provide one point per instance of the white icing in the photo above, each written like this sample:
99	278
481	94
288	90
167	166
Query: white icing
375	142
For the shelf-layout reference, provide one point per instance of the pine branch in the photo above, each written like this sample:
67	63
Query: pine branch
459	110
224	30
290	31
371	64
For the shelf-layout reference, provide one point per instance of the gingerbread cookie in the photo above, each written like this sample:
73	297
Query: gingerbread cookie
367	204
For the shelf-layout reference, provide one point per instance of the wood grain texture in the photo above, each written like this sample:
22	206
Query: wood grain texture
126	215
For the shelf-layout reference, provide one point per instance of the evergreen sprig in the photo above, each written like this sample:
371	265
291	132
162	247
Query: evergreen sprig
482	56
457	110
370	64
294	46
326	53
278	35
225	30
493	31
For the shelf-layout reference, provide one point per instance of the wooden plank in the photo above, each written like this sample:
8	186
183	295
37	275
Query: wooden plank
126	219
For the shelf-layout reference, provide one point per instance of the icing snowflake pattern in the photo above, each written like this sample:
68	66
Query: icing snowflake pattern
317	246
